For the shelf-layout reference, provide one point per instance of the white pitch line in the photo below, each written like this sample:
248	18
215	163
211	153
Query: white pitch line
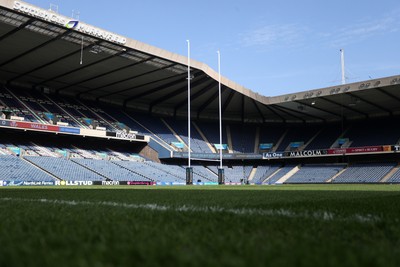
318	215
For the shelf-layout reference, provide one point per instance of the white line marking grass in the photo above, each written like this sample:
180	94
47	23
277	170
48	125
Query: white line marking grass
317	215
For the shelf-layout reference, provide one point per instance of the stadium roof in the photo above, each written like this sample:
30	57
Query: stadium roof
49	51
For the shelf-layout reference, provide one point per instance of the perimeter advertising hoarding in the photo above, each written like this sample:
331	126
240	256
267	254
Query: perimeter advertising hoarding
39	126
216	155
295	154
111	183
34	126
354	150
69	130
27	183
331	152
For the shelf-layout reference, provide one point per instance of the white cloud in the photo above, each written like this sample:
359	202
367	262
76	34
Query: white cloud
365	30
273	35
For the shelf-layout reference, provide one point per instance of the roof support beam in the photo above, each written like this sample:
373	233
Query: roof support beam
344	106
58	59
227	101
102	75
318	108
66	32
258	109
17	29
243	108
303	113
181	79
288	113
388	94
72	71
128	79
373	104
194	96
276	113
209	101
176	92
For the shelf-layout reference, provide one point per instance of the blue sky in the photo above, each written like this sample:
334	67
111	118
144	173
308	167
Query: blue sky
271	47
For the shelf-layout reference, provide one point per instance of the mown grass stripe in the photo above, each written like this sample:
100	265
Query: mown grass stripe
317	215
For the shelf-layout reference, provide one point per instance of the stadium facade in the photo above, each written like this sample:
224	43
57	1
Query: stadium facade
81	105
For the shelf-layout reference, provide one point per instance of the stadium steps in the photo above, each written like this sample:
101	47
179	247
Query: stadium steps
205	177
280	141
40	168
335	144
336	175
390	174
229	136
158	139
252	173
97	115
162	170
257	140
204	138
175	134
107	178
148	178
311	139
269	176
66	112
288	175
26	106
44	151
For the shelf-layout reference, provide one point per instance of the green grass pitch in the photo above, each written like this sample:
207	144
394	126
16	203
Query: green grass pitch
301	225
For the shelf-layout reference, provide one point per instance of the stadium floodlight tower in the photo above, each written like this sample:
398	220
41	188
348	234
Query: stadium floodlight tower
189	169
221	177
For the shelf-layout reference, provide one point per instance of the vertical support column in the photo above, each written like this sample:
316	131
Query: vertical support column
189	176
221	176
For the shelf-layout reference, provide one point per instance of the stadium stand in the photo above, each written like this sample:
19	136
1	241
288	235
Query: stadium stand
326	137
383	132
315	173
150	99
16	169
395	178
297	134
64	169
279	174
364	173
263	172
243	138
198	144
109	169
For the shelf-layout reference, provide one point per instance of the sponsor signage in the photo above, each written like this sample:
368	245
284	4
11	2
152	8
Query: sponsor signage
140	183
70	130
67	22
216	155
266	146
178	144
295	154
273	155
72	183
355	150
170	183
125	135
307	153
34	126
27	183
221	146
4	123
396	148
